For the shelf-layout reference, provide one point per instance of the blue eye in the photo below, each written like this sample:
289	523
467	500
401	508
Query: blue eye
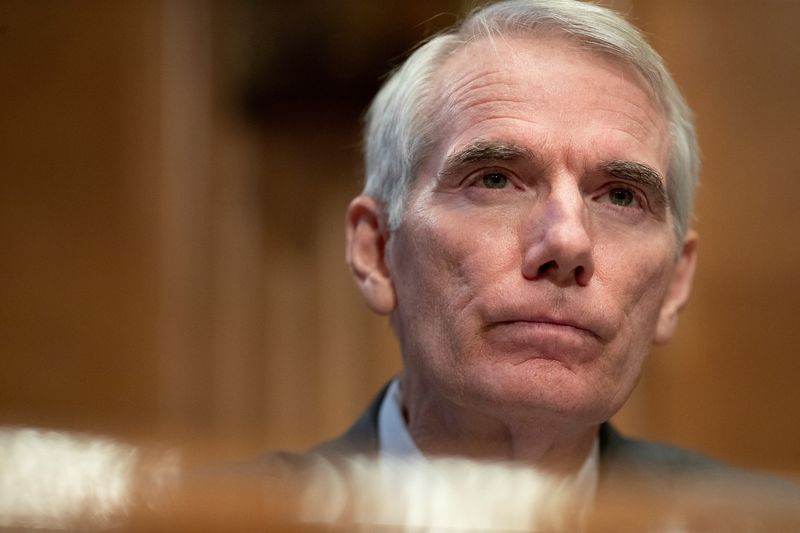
494	180
621	197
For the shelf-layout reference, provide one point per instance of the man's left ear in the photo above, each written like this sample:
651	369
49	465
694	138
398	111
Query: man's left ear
679	289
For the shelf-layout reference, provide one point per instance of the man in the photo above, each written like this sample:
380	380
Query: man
525	226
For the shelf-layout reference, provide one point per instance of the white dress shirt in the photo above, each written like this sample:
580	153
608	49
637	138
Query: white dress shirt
395	441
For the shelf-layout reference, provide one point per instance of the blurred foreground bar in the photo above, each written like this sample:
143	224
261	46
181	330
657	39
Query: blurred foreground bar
55	481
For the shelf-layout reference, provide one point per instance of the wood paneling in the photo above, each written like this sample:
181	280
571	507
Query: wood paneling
78	130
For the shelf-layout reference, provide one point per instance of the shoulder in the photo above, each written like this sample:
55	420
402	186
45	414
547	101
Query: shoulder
617	451
663	469
664	483
359	439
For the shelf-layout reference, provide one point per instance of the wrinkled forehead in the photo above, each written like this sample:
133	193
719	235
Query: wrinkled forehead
505	67
499	88
515	45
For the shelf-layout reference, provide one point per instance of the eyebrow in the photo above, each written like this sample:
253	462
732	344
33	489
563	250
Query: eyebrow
641	174
484	151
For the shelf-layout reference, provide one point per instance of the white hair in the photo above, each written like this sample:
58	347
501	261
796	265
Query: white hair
399	127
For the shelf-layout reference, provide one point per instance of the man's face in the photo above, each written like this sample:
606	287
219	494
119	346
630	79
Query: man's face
536	248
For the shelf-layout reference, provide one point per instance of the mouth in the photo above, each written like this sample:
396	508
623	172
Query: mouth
558	340
547	325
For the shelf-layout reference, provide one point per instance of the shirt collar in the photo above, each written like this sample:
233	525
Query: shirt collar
394	440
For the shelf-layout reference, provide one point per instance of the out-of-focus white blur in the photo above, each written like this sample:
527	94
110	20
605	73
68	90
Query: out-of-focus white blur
445	494
57	480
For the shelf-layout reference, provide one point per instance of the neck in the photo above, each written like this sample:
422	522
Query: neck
445	428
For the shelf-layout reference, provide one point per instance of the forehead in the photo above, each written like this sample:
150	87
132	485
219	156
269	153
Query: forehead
548	89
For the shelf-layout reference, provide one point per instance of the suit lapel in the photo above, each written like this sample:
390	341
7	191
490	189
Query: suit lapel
362	437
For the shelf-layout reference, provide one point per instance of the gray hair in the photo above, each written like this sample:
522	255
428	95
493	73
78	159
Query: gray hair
399	130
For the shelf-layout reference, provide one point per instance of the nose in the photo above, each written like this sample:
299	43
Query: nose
558	245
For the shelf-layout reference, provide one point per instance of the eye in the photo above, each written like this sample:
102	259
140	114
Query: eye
494	180
621	197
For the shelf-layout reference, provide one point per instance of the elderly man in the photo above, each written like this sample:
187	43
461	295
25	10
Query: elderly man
525	226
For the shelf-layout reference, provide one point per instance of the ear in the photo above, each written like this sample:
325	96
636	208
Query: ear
679	289
367	237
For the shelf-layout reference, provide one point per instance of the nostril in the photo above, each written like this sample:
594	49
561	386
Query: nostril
547	266
578	272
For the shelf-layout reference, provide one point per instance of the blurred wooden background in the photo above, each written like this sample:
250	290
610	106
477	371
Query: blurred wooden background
174	179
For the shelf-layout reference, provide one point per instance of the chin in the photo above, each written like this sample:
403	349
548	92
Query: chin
539	389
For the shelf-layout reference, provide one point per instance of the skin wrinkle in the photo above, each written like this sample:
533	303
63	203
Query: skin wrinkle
653	113
462	88
624	132
641	130
649	114
647	122
470	81
489	103
653	118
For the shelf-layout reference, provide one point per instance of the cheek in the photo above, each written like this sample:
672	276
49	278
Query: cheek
638	277
427	265
426	272
442	266
486	255
641	283
454	255
620	367
652	283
